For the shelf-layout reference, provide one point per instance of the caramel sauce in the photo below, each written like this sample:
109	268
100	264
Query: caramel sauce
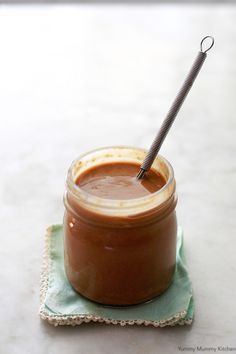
119	260
118	181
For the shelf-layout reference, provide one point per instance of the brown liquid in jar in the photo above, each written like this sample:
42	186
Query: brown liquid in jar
118	181
119	259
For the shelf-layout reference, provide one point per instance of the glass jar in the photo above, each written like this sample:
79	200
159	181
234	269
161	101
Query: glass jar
119	252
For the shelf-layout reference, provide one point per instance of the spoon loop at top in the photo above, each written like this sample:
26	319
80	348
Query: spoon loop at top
208	48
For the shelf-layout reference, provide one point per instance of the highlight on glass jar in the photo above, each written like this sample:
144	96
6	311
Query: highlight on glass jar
119	231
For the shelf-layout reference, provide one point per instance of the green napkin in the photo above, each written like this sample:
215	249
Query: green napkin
61	305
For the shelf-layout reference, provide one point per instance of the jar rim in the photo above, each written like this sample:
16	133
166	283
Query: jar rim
112	203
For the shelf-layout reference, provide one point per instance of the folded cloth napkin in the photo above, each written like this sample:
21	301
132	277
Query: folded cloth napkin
61	305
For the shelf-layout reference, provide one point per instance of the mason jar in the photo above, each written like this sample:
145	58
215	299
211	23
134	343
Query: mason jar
119	252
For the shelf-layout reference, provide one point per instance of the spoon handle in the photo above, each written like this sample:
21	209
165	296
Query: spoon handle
174	109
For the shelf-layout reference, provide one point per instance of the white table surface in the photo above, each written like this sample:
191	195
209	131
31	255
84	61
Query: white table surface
74	78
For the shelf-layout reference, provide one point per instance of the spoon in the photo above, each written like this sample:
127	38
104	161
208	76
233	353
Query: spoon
174	109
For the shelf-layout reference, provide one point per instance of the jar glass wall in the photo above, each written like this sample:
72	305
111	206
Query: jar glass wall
119	252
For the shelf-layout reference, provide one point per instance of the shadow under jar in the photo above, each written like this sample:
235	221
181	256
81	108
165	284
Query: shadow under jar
119	252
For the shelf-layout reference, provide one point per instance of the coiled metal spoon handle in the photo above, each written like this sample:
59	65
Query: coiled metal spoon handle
174	109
